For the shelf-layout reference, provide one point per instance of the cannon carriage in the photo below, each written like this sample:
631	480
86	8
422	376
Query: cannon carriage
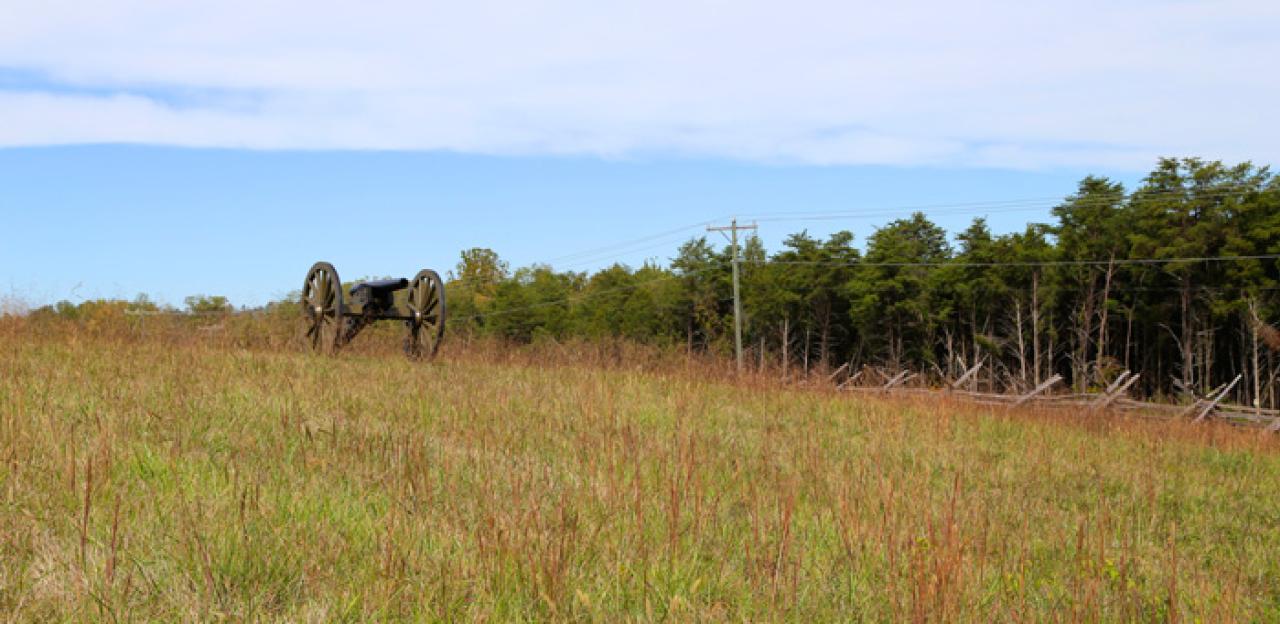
331	320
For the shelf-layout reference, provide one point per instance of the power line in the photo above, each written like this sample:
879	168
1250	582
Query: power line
719	265
665	243
974	208
908	209
1011	205
1001	206
622	244
1030	263
867	216
578	296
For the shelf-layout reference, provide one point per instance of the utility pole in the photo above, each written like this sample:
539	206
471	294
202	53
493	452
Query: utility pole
733	228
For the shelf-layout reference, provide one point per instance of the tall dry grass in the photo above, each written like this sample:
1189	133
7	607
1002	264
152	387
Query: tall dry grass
159	471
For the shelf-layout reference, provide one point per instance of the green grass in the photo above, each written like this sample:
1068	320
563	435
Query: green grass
155	480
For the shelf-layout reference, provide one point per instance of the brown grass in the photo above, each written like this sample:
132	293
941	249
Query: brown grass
150	472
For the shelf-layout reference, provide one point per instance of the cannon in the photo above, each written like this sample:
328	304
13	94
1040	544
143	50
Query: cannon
330	321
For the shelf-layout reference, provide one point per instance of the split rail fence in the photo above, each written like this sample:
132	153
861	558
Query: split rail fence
1202	407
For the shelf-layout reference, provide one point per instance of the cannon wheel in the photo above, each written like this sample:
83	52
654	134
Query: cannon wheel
426	306
322	307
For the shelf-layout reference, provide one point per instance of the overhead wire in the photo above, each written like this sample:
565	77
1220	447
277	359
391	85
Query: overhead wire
664	243
995	206
719	265
591	294
1010	205
1025	263
628	243
1030	204
665	237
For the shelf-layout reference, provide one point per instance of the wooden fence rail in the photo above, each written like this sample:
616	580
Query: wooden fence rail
1113	397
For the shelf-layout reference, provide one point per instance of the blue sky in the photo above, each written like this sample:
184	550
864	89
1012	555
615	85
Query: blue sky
112	221
180	148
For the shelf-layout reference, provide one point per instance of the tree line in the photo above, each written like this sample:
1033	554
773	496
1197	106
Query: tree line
1177	279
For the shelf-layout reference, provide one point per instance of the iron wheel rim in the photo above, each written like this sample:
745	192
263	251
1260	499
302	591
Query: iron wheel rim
426	305
322	308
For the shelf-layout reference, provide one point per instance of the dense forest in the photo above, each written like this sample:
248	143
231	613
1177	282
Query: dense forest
1177	279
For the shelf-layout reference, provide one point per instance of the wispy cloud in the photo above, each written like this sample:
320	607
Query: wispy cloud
991	83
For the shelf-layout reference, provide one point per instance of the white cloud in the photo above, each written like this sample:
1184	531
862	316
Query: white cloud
989	83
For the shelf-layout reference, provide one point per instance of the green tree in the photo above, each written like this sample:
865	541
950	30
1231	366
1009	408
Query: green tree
473	286
813	276
533	303
1181	211
207	304
1090	229
892	295
705	290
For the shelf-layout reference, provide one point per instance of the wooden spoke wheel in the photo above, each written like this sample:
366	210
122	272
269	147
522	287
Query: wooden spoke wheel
427	312
322	308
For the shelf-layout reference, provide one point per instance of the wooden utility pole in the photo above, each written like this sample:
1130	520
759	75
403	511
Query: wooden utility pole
733	228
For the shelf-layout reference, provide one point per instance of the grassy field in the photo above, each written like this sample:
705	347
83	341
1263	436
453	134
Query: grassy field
148	478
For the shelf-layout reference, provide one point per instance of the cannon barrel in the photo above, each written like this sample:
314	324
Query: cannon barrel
380	288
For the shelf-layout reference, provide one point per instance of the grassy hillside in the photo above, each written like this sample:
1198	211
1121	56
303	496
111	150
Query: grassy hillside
152	479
